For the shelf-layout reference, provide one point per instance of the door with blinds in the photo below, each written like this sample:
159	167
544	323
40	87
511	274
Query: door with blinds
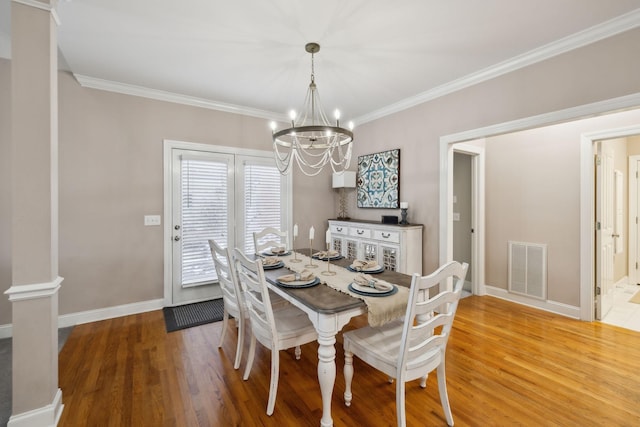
221	196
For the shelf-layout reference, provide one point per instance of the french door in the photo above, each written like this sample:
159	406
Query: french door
217	193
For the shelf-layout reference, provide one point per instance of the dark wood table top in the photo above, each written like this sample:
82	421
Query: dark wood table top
324	299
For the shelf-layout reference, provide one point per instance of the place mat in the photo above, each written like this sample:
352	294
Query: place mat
299	283
371	292
376	270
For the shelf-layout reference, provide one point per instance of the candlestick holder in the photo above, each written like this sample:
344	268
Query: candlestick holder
328	272
311	264
295	254
403	212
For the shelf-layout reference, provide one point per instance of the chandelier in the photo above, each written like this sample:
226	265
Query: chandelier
311	142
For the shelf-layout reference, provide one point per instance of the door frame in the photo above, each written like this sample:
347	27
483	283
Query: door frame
476	152
634	212
585	311
168	146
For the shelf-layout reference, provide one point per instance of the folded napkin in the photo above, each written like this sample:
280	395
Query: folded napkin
304	275
326	254
369	282
278	250
364	265
270	261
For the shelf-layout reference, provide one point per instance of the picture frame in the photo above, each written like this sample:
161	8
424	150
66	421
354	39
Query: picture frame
378	180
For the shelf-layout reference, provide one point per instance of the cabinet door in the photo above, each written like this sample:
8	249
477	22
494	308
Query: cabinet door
389	256
351	249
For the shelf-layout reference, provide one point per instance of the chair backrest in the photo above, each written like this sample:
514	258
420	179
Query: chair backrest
251	277
231	291
270	237
428	321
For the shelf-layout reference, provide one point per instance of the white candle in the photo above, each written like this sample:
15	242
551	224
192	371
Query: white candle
328	235
311	232
404	205
295	230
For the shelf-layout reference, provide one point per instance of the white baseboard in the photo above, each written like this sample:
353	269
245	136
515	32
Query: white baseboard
46	416
81	317
551	306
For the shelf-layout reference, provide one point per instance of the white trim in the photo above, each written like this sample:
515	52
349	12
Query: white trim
586	178
48	415
477	214
602	31
587	217
546	305
89	316
81	317
41	6
161	95
169	145
34	290
632	240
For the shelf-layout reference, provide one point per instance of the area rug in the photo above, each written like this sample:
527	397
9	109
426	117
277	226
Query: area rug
635	298
189	315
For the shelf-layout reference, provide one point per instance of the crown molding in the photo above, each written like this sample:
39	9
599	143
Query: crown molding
160	95
596	33
41	6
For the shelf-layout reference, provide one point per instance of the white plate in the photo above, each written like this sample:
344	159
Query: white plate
299	283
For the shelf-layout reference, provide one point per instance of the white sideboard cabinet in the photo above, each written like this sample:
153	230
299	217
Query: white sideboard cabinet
396	247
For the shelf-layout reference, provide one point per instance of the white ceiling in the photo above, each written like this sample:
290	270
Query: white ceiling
376	56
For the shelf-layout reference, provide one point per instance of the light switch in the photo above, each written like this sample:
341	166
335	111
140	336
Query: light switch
455	199
456	216
152	220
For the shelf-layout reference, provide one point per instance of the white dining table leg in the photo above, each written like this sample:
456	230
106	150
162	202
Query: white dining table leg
326	373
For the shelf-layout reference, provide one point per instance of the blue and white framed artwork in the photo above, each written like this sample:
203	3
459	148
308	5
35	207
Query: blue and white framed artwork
378	181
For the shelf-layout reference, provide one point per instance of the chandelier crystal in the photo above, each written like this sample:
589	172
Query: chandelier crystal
312	141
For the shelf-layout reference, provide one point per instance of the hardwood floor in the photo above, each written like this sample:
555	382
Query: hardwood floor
506	365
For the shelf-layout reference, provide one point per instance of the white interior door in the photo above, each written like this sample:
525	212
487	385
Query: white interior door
634	213
605	222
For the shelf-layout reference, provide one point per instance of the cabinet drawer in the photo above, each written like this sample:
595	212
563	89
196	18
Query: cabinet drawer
387	236
340	229
360	232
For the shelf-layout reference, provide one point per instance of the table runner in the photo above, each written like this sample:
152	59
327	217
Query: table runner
380	309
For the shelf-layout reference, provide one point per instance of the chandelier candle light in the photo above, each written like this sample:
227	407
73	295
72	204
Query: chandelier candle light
295	234
311	141
328	239
311	264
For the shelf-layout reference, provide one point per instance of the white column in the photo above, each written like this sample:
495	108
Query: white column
36	397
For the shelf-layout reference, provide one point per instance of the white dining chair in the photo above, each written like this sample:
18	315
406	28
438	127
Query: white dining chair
277	330
270	237
233	297
410	348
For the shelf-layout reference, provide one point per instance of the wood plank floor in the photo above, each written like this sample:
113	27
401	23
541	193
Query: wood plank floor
506	365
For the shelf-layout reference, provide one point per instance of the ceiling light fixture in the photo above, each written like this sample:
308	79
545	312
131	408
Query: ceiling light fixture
312	141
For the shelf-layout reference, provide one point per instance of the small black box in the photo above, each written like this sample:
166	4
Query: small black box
389	219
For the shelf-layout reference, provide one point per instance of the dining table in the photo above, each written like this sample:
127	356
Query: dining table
329	308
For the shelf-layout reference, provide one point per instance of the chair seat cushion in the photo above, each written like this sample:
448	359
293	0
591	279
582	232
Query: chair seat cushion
293	322
379	347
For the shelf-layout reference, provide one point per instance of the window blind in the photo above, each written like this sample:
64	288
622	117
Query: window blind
204	217
262	200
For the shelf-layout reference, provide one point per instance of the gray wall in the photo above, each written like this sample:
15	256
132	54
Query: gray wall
111	166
